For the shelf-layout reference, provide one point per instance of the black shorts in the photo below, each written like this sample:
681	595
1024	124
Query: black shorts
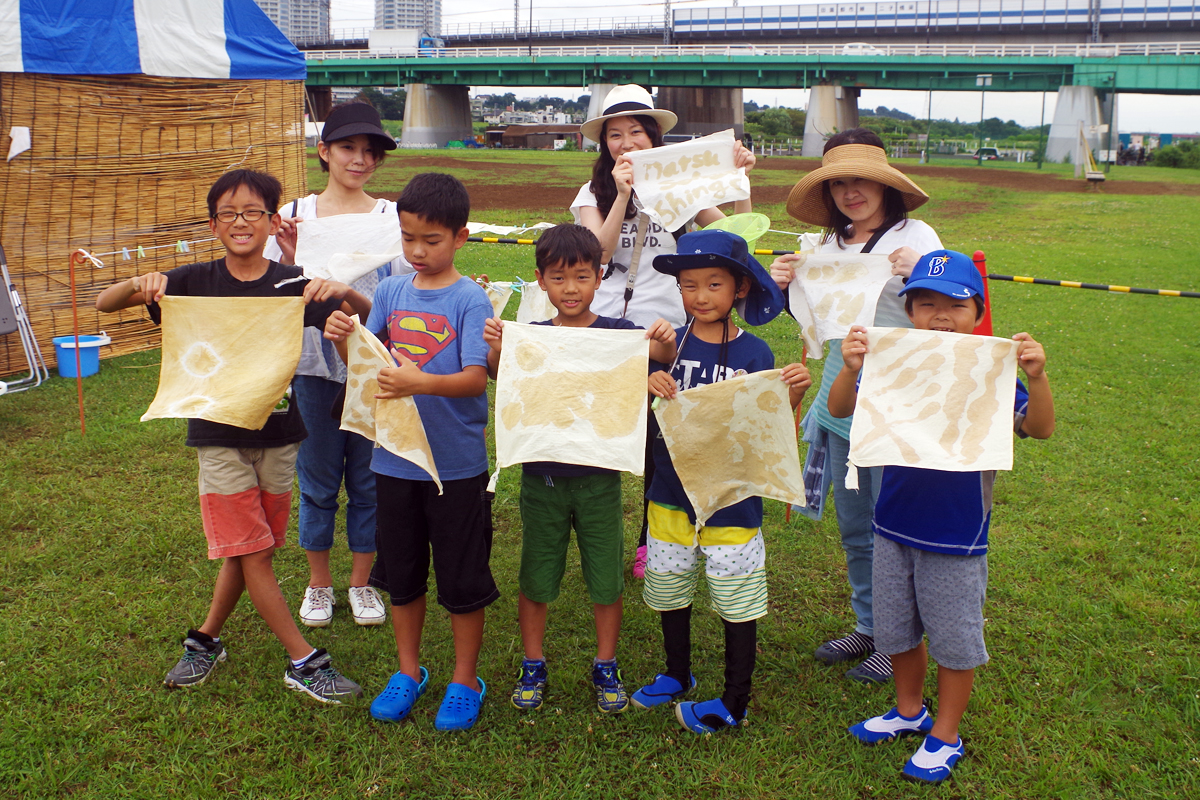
412	520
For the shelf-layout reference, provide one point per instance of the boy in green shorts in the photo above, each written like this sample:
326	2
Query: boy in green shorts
556	497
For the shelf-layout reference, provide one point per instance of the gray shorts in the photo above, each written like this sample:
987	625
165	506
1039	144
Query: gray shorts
937	594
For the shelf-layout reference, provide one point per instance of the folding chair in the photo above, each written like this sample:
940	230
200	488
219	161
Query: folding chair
13	319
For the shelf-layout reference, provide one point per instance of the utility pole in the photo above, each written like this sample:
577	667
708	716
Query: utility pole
666	22
516	17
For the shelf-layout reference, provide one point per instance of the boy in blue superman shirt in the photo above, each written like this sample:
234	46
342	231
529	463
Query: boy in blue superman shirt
930	564
432	322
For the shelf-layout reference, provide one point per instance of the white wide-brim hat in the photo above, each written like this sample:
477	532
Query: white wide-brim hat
627	101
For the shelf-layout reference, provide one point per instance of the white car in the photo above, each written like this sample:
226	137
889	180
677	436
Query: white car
861	49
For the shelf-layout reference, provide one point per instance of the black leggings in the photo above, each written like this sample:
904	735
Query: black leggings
741	646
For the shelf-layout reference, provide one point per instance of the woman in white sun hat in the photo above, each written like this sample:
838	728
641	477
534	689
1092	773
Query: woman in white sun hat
862	203
606	206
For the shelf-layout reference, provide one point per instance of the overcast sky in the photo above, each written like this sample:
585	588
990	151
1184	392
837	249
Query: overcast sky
1138	113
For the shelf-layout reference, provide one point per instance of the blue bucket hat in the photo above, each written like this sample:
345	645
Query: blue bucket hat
721	248
946	272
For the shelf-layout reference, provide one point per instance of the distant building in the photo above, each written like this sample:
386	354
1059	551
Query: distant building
424	15
302	21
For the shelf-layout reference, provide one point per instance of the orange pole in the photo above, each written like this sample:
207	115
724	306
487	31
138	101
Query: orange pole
78	256
984	328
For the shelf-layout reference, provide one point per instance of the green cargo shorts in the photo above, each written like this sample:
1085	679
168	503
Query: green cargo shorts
592	505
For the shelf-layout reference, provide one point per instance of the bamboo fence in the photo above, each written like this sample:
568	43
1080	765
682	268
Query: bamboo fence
122	162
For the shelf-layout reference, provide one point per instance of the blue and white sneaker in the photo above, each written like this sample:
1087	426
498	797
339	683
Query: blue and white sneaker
891	725
933	760
530	691
707	717
661	690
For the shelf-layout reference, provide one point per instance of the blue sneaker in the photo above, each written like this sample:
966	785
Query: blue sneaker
891	725
398	697
661	690
933	760
707	717
610	691
530	690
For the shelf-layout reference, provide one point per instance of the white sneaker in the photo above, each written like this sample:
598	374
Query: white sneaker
317	609
367	605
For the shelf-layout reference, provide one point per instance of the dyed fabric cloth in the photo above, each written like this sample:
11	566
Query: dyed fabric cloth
832	292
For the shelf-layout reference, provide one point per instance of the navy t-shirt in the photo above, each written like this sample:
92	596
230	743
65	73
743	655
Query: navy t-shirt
212	279
940	511
697	365
555	469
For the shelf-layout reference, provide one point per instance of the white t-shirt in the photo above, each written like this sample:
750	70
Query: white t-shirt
655	295
318	356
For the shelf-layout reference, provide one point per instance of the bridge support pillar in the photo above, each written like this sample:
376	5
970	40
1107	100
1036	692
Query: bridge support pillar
1076	105
435	114
320	102
599	93
830	109
702	111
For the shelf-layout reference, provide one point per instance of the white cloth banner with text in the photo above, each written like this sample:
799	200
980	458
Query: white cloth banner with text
675	182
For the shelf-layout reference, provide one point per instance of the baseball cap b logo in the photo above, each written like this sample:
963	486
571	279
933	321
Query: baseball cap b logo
937	265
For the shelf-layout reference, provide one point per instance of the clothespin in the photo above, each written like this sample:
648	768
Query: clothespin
517	284
141	251
125	254
182	246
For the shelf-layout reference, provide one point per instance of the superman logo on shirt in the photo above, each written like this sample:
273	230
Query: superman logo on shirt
419	336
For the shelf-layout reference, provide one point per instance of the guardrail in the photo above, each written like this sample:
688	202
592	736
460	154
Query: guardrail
598	26
1069	50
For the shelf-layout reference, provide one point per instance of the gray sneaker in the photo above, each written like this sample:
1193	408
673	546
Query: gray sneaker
320	681
197	662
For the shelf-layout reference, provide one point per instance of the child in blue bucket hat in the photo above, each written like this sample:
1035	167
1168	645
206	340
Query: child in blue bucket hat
716	273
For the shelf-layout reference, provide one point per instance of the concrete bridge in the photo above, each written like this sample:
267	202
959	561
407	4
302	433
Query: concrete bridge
703	83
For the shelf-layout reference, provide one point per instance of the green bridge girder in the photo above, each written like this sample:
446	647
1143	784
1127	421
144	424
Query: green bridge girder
1152	74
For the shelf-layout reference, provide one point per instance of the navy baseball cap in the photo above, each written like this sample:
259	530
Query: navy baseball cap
946	272
721	248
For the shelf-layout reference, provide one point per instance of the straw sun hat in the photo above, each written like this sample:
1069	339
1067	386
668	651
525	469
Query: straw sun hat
627	101
807	203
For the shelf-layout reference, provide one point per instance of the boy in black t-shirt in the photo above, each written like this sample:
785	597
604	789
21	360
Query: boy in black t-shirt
246	475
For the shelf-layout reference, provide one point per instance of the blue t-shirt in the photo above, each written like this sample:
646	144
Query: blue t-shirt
938	511
556	469
442	331
697	365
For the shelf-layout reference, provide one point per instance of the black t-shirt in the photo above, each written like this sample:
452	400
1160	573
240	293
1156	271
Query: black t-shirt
555	469
212	279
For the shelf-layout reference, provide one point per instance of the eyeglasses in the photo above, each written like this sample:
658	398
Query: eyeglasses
251	215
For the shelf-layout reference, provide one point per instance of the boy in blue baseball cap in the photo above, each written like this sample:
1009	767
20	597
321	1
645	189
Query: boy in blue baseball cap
716	273
930	562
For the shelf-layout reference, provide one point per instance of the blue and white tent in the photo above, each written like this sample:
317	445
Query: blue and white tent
168	38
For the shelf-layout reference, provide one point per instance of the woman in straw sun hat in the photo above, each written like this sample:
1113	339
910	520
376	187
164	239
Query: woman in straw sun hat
862	203
606	207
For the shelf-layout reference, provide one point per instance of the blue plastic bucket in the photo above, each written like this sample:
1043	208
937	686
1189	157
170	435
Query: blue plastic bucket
89	354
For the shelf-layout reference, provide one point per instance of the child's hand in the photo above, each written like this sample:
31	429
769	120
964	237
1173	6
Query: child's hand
493	333
152	285
623	175
662	385
285	237
783	270
338	326
1031	357
743	157
661	331
320	290
903	260
798	380
403	380
854	347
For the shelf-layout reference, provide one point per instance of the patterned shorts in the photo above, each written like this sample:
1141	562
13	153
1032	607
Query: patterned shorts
734	565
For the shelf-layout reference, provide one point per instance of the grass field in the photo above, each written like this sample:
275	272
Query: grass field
1093	611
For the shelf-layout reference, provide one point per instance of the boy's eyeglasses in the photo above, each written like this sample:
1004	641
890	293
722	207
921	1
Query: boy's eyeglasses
252	215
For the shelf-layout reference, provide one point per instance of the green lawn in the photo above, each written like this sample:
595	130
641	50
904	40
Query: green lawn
1093	611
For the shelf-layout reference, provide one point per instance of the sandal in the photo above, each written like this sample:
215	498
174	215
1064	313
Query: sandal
460	707
398	698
